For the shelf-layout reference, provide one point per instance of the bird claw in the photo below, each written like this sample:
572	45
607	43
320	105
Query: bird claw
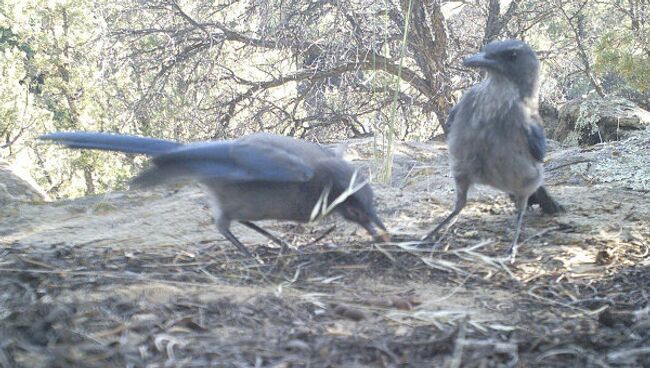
433	239
512	258
430	243
513	254
258	259
432	236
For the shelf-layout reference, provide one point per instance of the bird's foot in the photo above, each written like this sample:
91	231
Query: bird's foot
433	240
431	243
512	253
430	237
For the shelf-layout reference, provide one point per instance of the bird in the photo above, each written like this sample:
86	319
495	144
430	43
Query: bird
496	136
256	177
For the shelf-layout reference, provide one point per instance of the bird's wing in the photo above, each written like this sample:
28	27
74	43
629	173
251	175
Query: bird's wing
450	119
235	161
536	140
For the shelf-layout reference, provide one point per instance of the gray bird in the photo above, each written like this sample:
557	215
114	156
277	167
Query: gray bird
496	135
257	177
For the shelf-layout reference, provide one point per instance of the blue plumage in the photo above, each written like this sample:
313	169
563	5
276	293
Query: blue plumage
236	161
494	135
232	161
258	177
536	141
112	142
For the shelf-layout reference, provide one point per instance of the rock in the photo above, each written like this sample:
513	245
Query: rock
588	121
18	187
550	115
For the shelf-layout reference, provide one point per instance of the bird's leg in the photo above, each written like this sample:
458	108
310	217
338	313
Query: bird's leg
521	203
273	238
229	235
462	186
223	225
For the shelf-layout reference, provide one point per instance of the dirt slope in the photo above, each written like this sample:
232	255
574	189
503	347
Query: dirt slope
144	279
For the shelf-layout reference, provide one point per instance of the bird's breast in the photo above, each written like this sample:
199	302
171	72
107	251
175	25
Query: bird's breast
264	200
493	150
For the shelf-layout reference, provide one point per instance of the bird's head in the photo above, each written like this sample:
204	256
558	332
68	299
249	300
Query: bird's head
513	60
359	208
353	196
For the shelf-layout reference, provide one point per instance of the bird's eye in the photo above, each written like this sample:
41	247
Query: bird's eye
512	55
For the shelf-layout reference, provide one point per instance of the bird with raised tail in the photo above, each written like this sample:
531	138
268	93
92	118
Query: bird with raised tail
257	177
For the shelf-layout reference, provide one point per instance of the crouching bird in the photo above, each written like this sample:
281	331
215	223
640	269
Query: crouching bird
257	177
496	135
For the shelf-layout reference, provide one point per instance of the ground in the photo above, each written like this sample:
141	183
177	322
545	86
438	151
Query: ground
143	279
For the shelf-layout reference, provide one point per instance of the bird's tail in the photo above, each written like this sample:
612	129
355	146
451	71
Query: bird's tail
546	202
112	142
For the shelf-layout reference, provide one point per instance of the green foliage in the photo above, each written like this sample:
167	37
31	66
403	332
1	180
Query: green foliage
618	51
52	66
10	40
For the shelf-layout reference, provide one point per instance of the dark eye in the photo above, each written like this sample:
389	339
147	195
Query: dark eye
512	55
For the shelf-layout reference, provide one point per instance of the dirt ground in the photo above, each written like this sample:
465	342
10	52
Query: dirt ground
144	279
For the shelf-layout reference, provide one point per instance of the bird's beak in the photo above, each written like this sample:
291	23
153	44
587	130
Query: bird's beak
480	60
380	236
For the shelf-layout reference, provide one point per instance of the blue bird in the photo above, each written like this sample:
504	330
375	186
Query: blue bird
257	177
496	136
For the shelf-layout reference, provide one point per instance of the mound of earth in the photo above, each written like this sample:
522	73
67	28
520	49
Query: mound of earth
17	187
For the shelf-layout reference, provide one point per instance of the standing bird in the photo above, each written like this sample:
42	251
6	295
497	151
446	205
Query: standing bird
496	136
257	177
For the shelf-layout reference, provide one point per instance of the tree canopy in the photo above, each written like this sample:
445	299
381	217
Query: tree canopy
320	70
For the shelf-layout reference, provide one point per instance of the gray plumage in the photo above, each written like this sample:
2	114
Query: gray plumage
496	135
257	177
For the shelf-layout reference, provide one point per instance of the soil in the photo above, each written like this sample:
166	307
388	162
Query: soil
143	279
